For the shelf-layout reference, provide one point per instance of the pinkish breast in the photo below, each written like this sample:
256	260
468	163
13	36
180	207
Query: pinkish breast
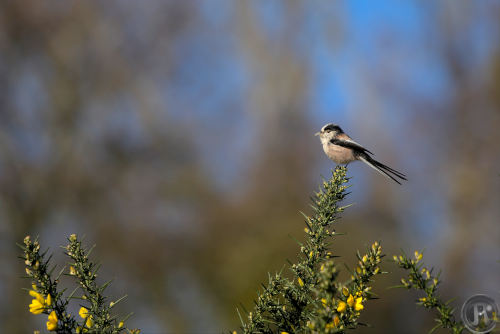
339	154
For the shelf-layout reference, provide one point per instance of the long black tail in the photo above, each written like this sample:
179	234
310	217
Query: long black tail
382	169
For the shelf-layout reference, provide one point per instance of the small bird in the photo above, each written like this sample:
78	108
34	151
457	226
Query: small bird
340	148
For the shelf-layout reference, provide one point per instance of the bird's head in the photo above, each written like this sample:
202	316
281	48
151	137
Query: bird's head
328	132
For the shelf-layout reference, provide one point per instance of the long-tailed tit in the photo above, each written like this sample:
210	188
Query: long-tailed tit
340	148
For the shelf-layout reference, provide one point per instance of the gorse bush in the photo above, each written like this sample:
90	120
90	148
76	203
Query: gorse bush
421	278
312	300
309	299
95	311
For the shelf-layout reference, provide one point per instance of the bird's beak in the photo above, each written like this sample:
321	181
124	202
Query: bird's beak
317	134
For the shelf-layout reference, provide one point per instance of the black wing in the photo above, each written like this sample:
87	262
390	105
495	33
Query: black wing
350	144
361	151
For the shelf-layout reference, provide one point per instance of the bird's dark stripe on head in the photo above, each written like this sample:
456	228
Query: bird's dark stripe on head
332	127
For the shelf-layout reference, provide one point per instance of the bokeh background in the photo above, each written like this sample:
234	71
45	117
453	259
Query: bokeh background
177	136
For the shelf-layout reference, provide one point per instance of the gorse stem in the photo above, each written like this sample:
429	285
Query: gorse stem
312	301
95	315
47	297
421	278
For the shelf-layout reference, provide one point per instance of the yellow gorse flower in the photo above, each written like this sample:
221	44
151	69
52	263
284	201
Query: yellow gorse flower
336	321
52	323
426	273
84	313
39	304
356	303
358	306
36	295
36	307
350	301
301	282
418	256
341	307
89	322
